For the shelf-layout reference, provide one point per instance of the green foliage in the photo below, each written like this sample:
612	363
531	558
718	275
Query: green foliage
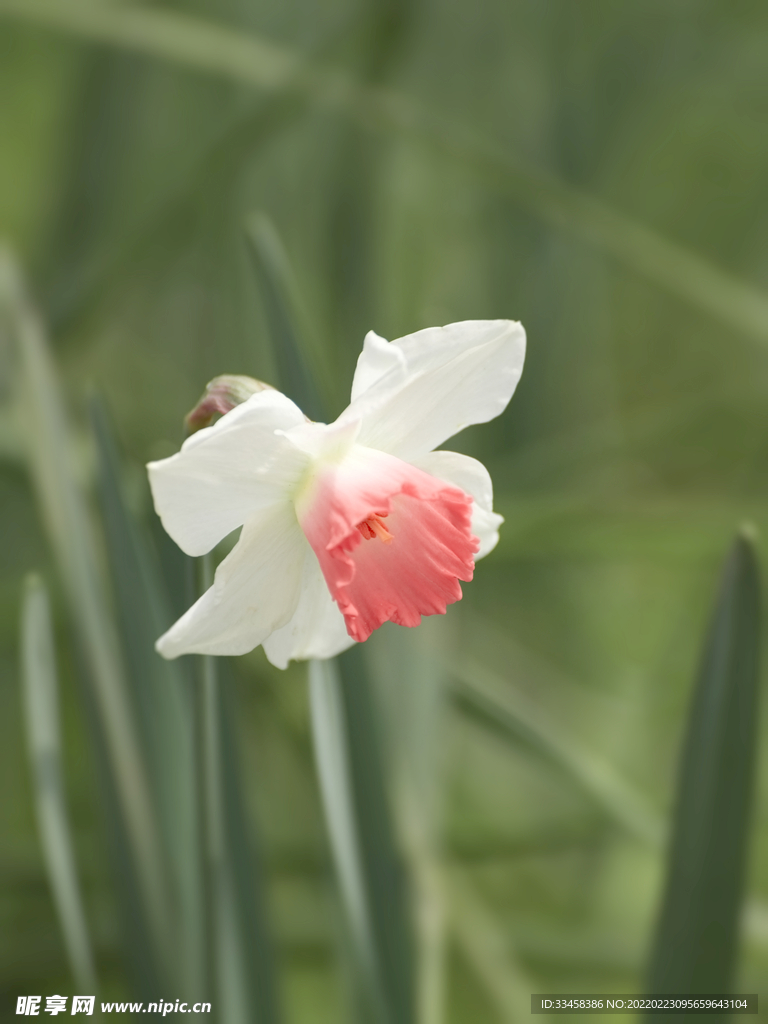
242	967
350	769
41	704
299	362
46	432
162	696
370	874
697	939
196	189
223	939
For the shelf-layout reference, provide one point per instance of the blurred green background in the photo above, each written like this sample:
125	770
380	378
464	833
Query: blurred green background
596	170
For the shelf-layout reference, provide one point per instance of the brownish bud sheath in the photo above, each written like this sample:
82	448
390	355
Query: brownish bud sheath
221	395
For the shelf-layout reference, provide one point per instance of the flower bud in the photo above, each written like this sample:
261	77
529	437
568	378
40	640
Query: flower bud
221	395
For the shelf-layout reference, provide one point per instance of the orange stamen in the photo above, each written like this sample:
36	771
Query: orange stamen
373	527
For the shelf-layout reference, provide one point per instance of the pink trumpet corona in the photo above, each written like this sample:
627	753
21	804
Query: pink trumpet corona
348	525
392	541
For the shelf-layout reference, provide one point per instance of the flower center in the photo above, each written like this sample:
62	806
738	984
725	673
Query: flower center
373	527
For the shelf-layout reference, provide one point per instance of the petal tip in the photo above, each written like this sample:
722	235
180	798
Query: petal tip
165	648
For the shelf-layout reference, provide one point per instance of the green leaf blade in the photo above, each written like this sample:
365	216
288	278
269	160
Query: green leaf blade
297	355
386	882
245	866
64	510
242	959
368	865
163	698
697	936
41	705
370	873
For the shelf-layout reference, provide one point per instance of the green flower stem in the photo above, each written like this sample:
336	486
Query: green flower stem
227	967
242	972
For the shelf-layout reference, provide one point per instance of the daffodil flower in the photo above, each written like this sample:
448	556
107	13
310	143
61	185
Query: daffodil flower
344	525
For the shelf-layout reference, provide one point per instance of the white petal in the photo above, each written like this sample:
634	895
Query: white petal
456	375
255	591
326	442
226	472
317	629
474	479
377	358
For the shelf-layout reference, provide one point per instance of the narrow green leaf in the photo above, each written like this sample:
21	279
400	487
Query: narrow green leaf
41	706
334	775
297	354
47	435
346	747
370	873
147	975
242	958
410	689
163	697
697	937
213	49
247	870
476	693
386	882
168	35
